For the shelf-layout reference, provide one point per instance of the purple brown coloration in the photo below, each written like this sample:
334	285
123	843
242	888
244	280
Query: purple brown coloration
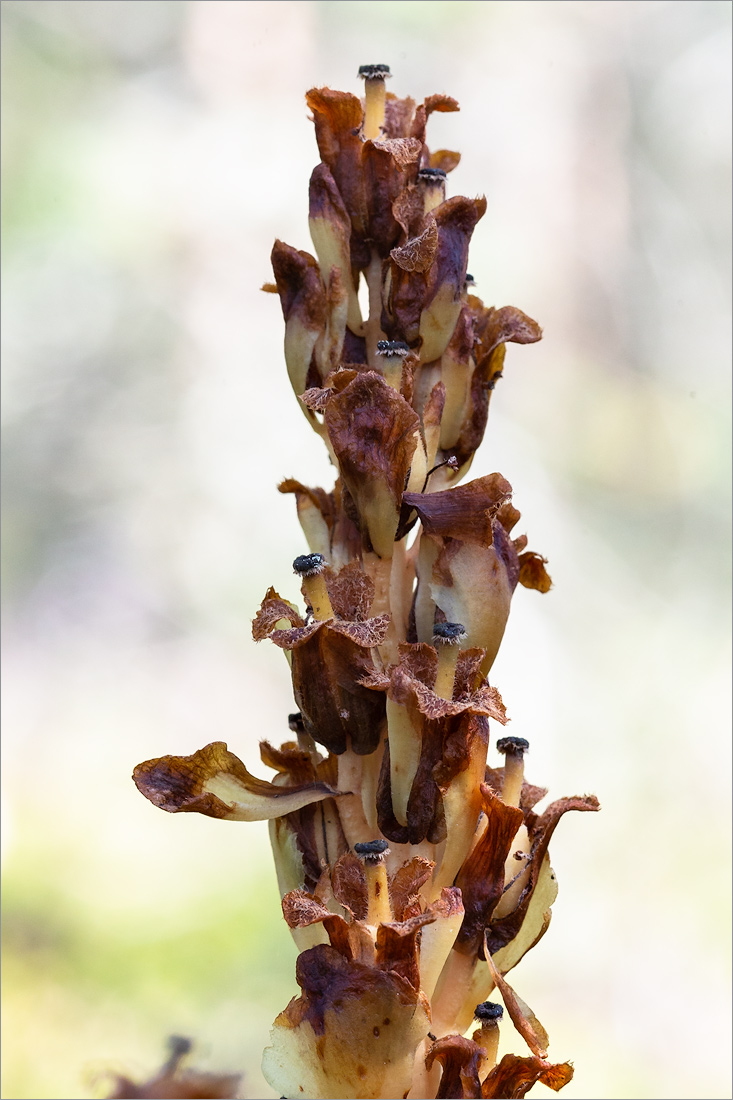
414	874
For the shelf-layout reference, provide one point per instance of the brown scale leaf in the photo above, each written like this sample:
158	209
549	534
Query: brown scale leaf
540	831
408	209
338	118
481	879
445	159
387	167
532	572
398	115
418	253
464	512
374	435
515	1076
366	634
327	667
407	881
348	882
351	592
460	1059
301	909
298	281
315	398
493	328
508	516
273	608
289	760
397	949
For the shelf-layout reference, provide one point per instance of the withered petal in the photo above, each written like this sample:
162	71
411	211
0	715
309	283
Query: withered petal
274	608
460	1059
532	572
418	253
522	1016
445	159
464	512
351	592
348	882
407	881
481	879
397	949
215	782
374	434
515	1076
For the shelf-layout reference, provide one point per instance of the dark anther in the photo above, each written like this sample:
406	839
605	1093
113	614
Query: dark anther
494	380
374	72
432	1037
372	851
431	175
449	633
295	722
513	746
308	565
489	1010
393	349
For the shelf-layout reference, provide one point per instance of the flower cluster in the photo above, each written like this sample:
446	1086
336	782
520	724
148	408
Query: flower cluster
413	876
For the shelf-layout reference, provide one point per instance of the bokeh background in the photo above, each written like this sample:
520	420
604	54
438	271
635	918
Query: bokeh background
153	149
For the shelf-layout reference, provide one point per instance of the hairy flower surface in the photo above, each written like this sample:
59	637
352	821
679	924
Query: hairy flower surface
413	875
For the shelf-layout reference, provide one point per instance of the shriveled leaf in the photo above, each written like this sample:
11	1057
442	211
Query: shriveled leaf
215	782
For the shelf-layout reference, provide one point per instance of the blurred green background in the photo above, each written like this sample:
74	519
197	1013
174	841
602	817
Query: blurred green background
152	151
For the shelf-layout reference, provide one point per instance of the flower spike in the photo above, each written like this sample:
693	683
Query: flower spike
413	873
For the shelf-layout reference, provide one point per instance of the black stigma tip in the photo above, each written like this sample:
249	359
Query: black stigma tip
308	565
470	281
512	746
295	722
489	1010
431	175
374	72
392	349
449	633
372	851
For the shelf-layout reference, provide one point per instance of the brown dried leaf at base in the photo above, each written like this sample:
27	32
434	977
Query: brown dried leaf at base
351	1034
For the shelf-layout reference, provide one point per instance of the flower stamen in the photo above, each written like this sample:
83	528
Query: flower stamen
375	94
372	854
432	184
310	567
513	750
488	1014
446	639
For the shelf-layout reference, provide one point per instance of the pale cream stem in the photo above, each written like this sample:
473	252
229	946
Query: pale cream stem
310	568
516	867
373	324
450	992
372	854
488	1015
392	354
350	808
446	639
375	95
432	184
400	588
513	750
